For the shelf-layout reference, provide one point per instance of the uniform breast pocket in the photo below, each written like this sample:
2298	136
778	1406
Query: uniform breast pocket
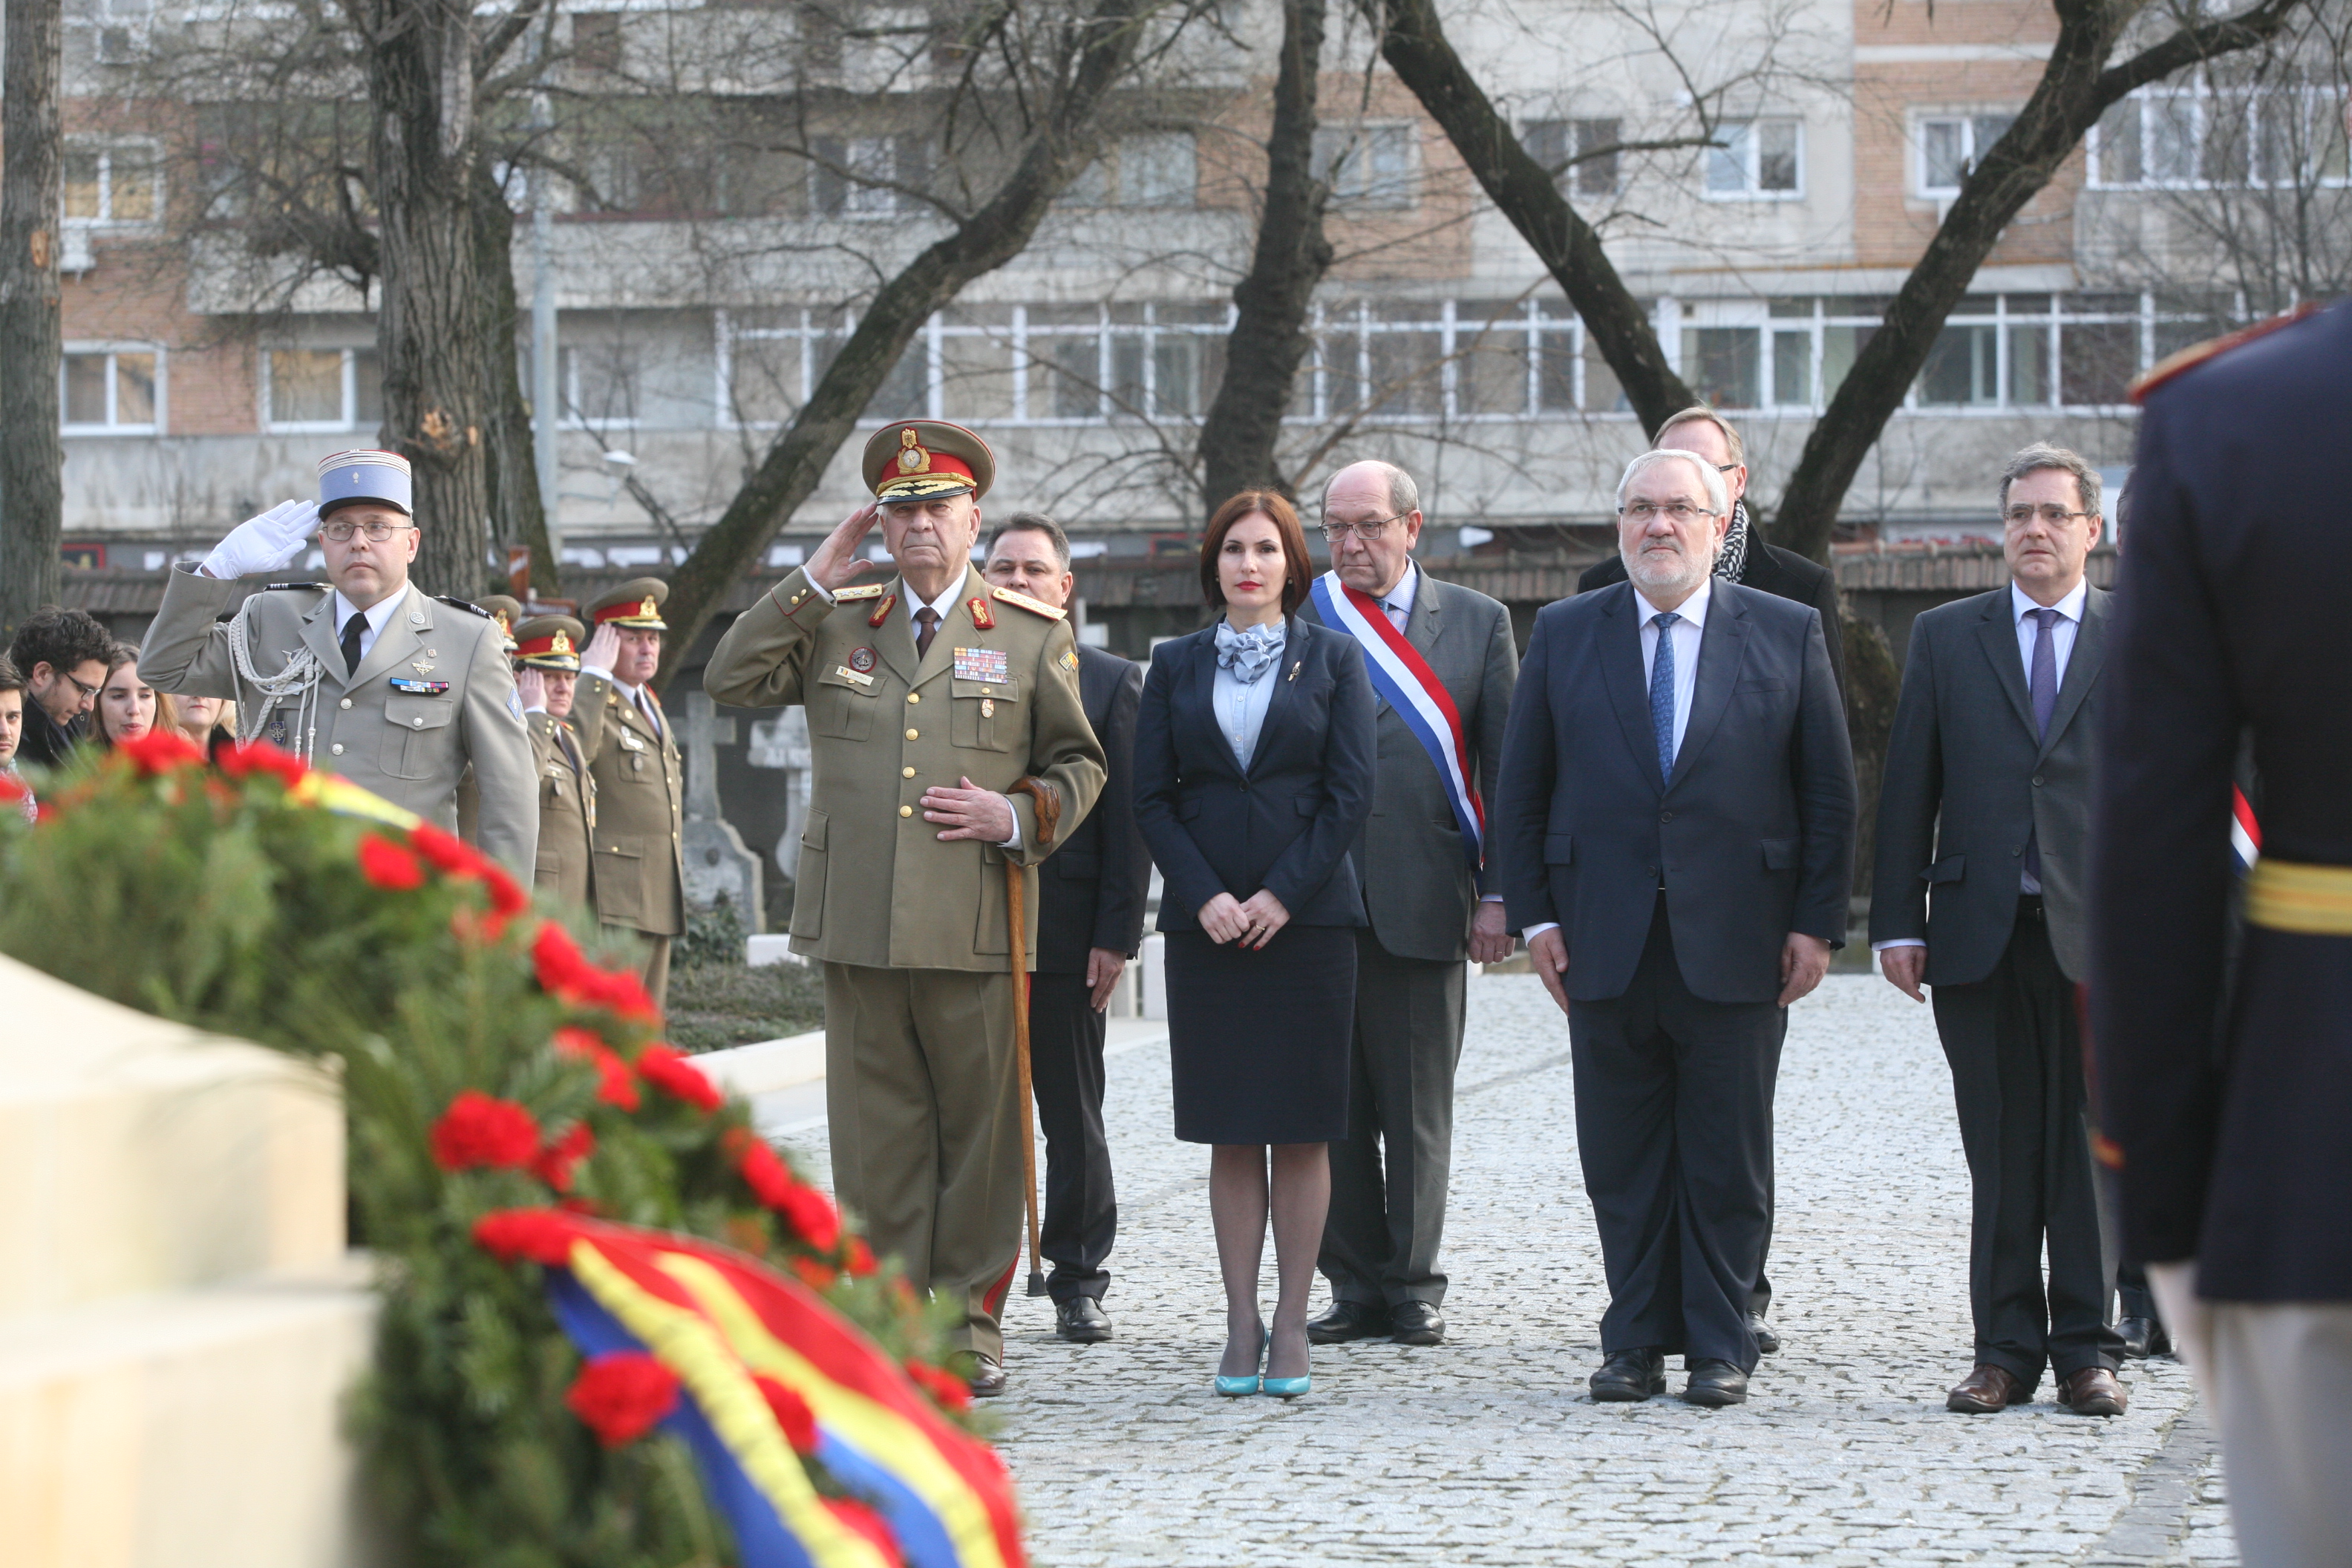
841	709
984	716
418	737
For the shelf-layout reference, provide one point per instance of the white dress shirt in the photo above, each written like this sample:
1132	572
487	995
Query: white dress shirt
1398	600
379	615
1241	707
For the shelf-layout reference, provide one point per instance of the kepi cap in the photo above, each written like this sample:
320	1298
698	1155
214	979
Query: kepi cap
916	459
382	478
637	604
550	642
507	611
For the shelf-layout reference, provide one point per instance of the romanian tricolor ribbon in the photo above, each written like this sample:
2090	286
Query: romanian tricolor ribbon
1407	684
725	1325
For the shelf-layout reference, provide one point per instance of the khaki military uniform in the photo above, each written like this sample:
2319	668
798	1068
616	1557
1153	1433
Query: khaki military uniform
567	814
638	868
921	1085
433	696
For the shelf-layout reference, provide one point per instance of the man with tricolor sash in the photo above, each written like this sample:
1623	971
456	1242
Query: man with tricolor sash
1442	663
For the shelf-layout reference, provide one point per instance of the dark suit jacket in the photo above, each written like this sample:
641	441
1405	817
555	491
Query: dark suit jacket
1091	893
1783	574
1754	834
1966	782
1284	823
1418	888
2230	615
44	742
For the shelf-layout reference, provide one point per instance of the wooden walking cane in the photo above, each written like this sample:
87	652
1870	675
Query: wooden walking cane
1049	815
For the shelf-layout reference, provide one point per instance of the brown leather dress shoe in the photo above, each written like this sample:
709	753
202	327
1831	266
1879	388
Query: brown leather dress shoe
2092	1390
1986	1390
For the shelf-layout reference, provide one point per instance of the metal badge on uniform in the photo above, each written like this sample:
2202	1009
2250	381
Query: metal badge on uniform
861	659
847	673
418	688
993	665
988	707
422	667
1070	660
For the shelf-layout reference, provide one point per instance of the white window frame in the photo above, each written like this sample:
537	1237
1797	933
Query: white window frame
1965	119
1752	163
2200	94
1359	135
106	152
349	422
161	423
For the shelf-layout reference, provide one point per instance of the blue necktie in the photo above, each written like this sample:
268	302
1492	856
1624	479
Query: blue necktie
1662	692
2042	688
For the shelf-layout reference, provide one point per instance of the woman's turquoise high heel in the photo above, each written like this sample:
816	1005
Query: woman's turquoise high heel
1236	1387
1285	1387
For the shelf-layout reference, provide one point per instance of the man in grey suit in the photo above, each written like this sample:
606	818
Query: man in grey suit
1432	903
1983	851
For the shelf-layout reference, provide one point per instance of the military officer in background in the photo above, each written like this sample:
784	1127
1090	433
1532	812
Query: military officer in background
547	667
506	610
948	736
639	869
364	675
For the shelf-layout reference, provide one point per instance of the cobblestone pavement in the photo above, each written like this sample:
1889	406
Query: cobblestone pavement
1486	1450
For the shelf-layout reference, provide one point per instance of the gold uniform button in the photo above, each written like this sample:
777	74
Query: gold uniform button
913	698
906	811
907	773
911	734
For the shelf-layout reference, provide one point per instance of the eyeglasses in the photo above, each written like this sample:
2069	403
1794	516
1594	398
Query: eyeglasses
2049	513
88	692
376	533
1677	512
1367	530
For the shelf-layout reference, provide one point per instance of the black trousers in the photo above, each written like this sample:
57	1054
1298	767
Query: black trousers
2015	1048
1065	1070
1389	1175
1674	1124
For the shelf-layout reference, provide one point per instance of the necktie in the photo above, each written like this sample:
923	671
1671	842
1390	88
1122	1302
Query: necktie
570	753
351	630
646	707
928	619
1662	692
2041	688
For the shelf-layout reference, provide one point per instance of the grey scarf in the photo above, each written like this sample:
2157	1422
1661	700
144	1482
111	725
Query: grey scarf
1731	561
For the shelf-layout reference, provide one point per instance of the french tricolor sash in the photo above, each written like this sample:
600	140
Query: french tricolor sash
1407	684
2245	833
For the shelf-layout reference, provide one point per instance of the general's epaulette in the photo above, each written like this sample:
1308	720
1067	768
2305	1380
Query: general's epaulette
1034	607
863	591
2195	354
456	602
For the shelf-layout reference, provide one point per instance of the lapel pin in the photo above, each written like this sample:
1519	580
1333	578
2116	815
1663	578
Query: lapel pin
1295	670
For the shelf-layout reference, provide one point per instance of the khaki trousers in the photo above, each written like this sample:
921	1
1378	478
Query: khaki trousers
923	1089
656	970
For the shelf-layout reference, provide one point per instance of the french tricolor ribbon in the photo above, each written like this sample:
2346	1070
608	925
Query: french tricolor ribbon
2245	833
1407	684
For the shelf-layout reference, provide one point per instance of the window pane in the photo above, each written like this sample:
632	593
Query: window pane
1943	154
1596	171
1490	367
306	386
1792	369
130	186
2168	128
763	384
1960	369
1077	371
1984	131
976	376
81	185
1726	160
2096	360
1841	346
1776	155
1799	306
1602	394
1720	364
1556	370
85	389
1186	368
2224	157
1157	172
134	389
1405	377
906	391
2028	366
1127	399
367	389
2119	160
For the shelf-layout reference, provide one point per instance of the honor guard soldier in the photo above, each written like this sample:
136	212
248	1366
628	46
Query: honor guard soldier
639	872
364	675
547	666
947	735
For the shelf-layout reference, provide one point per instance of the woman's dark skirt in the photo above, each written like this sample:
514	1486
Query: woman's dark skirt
1259	1040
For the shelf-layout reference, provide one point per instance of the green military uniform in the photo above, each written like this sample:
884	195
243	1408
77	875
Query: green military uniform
639	868
567	791
923	1088
506	610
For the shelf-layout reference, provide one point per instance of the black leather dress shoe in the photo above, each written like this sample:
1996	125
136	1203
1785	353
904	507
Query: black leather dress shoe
1416	1323
1347	1320
987	1376
1715	1384
2144	1337
1626	1377
1081	1320
1767	1342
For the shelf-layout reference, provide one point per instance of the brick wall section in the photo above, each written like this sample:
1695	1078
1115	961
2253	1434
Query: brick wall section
137	293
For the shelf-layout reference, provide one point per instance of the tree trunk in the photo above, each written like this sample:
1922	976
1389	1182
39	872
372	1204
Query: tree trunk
1413	42
986	240
430	324
32	456
1269	337
517	510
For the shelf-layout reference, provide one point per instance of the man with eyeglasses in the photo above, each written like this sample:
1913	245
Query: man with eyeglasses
1442	664
363	675
62	656
1983	851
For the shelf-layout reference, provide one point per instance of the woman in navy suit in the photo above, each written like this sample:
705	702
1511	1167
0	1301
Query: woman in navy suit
1252	775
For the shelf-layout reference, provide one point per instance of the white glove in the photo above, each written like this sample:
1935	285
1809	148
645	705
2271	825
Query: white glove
265	543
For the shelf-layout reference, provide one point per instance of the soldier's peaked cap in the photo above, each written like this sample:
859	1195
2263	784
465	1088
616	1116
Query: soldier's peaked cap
505	609
635	604
550	642
380	479
916	459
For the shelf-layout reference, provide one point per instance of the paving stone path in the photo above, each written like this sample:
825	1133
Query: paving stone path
1486	1450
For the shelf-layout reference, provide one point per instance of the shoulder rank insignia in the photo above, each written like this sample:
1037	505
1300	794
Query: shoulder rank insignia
456	603
1070	660
1034	607
863	591
2195	354
982	616
882	611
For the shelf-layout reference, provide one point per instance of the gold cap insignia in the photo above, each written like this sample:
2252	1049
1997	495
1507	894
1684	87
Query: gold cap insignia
912	457
562	641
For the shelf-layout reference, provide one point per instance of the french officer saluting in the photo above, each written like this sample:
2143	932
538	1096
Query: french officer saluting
364	676
947	735
633	757
547	669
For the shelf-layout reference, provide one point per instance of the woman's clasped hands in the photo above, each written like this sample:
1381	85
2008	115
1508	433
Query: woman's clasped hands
1253	924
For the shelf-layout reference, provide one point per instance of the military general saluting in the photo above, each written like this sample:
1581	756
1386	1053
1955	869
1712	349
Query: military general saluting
364	675
948	736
